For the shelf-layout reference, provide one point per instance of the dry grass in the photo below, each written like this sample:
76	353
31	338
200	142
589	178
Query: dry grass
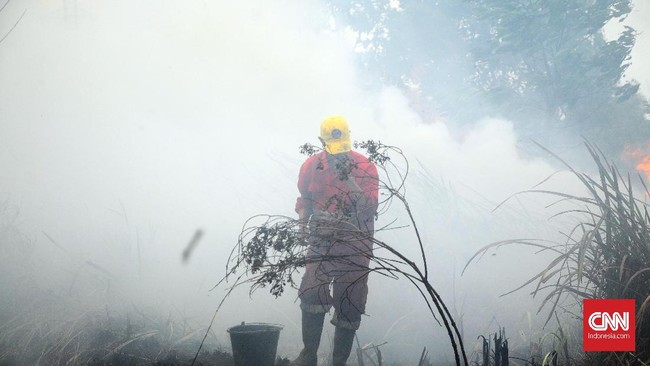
49	325
35	337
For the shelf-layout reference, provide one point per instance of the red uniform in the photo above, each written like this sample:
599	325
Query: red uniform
341	256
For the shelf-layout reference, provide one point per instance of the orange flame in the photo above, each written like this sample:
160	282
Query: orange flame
639	157
644	167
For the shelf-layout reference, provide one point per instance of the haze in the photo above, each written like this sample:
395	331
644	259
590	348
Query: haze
126	126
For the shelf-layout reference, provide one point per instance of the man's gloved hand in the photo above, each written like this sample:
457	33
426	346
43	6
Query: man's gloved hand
323	217
323	223
303	234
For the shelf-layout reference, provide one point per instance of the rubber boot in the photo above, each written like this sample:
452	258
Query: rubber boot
312	327
343	339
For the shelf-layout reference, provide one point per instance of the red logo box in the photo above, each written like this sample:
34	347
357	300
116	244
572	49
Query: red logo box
608	325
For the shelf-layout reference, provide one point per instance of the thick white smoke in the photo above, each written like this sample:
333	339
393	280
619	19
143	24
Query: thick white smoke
126	126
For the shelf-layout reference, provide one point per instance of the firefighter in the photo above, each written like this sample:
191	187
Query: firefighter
337	204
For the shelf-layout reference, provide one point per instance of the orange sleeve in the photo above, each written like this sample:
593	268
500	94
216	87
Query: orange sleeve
370	185
304	200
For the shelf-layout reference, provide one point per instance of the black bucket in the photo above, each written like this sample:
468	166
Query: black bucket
254	344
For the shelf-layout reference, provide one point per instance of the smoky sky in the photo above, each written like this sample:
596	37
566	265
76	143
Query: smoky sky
127	126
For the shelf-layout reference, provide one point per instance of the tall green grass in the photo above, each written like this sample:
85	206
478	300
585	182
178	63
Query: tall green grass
605	256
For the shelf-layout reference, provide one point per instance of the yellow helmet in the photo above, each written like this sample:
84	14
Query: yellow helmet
335	134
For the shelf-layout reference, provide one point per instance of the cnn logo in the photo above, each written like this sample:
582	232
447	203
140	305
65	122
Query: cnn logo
608	325
601	321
